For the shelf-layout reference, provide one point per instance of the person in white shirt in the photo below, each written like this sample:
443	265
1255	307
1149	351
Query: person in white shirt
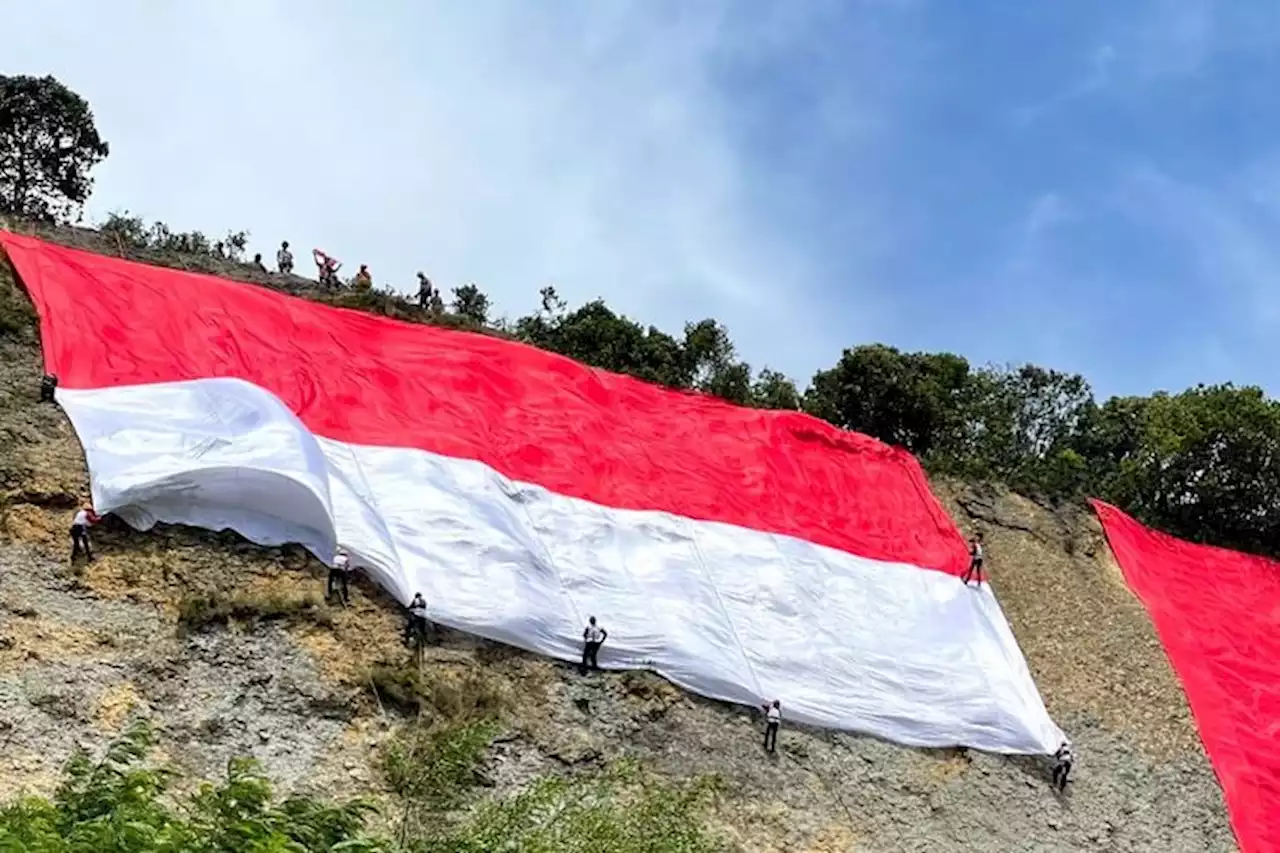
772	719
417	626
593	637
84	518
339	575
1062	766
974	572
284	259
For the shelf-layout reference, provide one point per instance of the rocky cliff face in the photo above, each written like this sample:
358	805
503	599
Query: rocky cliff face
230	649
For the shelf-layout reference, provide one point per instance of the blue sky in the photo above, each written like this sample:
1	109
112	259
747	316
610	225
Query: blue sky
1088	185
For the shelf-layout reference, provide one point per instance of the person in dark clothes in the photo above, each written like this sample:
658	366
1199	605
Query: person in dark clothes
424	292
48	384
974	572
772	719
1062	761
416	628
84	518
593	637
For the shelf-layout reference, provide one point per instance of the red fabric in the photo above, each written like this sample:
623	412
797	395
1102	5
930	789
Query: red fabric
1218	615
534	416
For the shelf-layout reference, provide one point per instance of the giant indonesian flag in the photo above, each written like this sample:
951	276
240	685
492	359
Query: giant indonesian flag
745	555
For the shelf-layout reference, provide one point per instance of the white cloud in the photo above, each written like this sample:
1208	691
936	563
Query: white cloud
514	145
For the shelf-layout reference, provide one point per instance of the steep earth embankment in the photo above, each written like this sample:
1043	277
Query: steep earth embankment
137	632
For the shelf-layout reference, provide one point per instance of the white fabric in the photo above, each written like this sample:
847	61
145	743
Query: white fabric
908	654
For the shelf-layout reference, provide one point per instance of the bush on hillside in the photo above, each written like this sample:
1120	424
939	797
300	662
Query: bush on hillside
120	803
621	809
131	232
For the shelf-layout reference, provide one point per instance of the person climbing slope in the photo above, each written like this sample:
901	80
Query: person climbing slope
415	629
48	385
593	637
80	524
1063	760
976	558
772	720
339	575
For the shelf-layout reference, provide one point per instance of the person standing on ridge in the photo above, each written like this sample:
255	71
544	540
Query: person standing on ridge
593	637
1062	766
974	571
416	627
339	575
84	518
284	259
364	281
257	262
328	268
424	292
772	719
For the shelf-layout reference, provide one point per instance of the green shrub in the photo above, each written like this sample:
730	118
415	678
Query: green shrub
622	810
119	805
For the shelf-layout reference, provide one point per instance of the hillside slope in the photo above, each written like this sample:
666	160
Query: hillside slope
81	651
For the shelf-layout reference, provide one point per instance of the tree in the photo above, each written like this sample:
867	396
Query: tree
48	145
772	390
595	335
712	364
1016	423
1207	466
908	399
471	303
552	304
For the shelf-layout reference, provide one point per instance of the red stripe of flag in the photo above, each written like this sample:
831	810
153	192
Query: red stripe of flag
532	415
